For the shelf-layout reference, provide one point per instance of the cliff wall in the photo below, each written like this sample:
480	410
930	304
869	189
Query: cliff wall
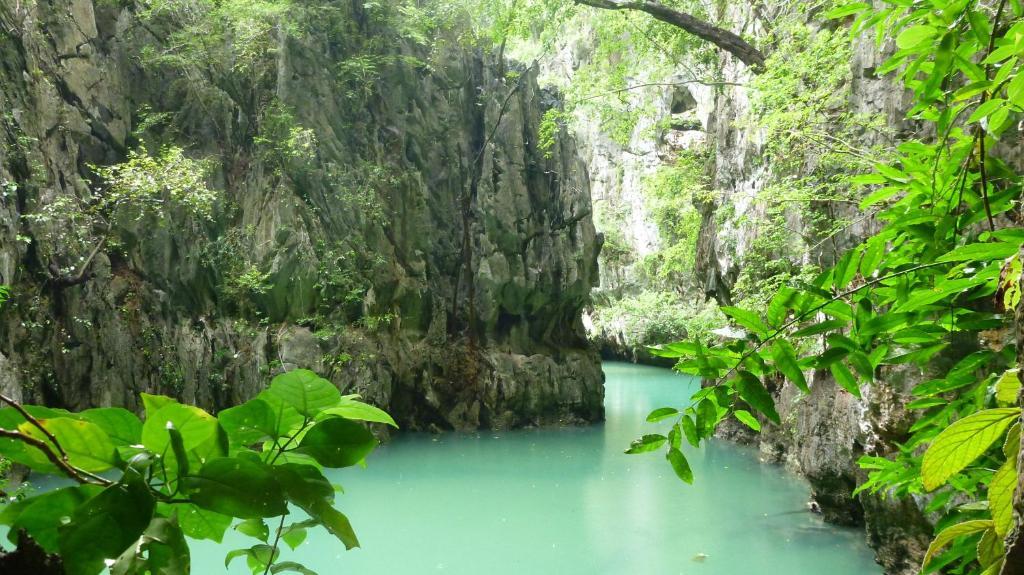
385	218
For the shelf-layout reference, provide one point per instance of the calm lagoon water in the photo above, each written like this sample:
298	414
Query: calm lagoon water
569	502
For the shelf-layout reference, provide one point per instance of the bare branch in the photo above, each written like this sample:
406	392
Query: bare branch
35	422
724	39
78	475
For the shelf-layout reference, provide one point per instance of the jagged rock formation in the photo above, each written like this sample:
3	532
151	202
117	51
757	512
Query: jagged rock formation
428	255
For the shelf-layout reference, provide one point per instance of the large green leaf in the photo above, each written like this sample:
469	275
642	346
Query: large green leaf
306	391
1000	496
980	252
748	419
198	523
1008	387
236	487
679	464
122	426
197	428
40	516
352	409
103	527
201	437
748	319
337	442
287	419
306	487
963	442
646	443
946	536
87	446
662	413
785	361
250	423
754	393
162	550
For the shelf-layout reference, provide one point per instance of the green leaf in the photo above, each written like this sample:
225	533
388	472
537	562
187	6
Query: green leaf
293	535
306	391
990	548
254	527
88	447
707	418
197	428
121	426
250	423
755	394
913	36
986	109
680	465
747	319
819	328
690	431
236	487
962	442
748	419
946	536
40	516
662	413
306	487
103	527
352	409
337	442
1000	497
199	523
785	361
1011	447
154	403
286	418
980	252
845	379
847	10
1008	387
646	443
291	567
162	550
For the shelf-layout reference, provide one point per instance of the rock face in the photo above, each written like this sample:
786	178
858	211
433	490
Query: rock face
425	254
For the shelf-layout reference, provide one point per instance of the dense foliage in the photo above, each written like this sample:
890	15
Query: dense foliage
935	287
143	486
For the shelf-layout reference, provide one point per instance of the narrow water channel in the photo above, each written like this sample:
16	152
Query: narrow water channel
568	501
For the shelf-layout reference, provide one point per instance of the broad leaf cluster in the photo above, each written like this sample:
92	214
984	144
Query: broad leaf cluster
144	486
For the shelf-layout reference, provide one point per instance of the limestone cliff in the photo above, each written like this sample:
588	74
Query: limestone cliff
425	254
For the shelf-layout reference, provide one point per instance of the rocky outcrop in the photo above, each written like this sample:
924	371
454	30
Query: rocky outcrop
426	255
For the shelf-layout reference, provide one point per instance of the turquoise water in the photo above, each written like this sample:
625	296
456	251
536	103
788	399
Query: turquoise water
569	502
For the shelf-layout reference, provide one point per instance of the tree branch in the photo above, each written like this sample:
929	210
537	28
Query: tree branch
73	472
724	39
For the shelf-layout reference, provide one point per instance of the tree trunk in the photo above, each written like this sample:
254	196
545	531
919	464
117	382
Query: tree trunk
724	39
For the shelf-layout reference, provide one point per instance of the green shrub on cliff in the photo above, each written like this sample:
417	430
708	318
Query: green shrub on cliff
143	486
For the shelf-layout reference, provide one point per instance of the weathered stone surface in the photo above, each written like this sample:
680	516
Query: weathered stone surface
479	248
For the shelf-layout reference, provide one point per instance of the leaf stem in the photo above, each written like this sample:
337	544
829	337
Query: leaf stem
277	541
